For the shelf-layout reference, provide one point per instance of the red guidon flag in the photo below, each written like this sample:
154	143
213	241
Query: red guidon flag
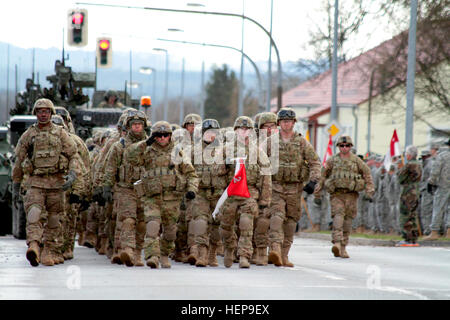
237	187
394	150
329	151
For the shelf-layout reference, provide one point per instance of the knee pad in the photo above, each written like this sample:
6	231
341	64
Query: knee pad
34	214
289	228
245	224
53	221
262	225
225	231
153	229
276	222
170	233
199	227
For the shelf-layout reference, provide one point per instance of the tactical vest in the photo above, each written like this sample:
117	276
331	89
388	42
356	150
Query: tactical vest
292	168
211	176
344	176
127	173
159	174
47	157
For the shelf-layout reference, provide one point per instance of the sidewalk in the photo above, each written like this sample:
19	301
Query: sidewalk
362	241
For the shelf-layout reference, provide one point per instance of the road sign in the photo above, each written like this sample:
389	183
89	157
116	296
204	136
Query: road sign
333	128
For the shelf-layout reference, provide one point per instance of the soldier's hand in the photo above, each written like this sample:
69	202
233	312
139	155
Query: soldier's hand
431	188
150	140
317	201
190	195
70	178
74	198
367	198
107	194
97	194
309	188
84	205
262	206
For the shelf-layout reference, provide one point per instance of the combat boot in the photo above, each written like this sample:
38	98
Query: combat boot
115	258
336	249
261	259
434	235
81	238
316	227
180	256
254	257
165	263
33	253
153	262
47	257
193	254
68	254
243	262
212	256
90	240
228	257
103	246
202	260
58	257
138	258
127	256
344	253
284	257
275	254
448	233
220	249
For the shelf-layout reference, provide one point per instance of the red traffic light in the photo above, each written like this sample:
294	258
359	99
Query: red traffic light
103	44
77	18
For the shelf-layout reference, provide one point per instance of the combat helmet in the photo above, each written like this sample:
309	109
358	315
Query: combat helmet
161	127
243	122
192	118
344	139
175	126
111	93
63	113
43	103
286	114
121	124
210	124
267	117
256	119
59	121
135	115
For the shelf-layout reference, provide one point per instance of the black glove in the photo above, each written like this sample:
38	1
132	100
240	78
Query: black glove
70	178
150	140
90	148
262	206
84	205
190	195
309	188
431	188
318	201
107	194
367	198
74	198
97	194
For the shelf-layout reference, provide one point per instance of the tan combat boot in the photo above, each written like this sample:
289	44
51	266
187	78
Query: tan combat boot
193	254
434	235
243	262
284	257
33	253
115	258
153	262
138	258
212	256
90	240
228	257
448	233
165	263
58	257
103	246
336	249
344	253
127	256
316	227
180	256
202	260
261	256
47	257
68	254
220	249
254	257
81	238
275	254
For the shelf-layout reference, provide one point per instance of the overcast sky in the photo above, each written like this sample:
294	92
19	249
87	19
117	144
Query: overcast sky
28	24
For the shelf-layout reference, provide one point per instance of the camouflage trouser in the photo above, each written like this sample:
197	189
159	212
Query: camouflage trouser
44	208
242	211
161	218
109	225
205	230
69	224
409	203
344	208
441	215
285	212
426	211
185	235
383	218
130	218
82	221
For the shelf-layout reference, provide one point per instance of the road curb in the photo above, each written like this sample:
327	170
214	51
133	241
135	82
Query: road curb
369	242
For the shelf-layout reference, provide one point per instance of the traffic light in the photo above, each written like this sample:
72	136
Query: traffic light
104	53
77	27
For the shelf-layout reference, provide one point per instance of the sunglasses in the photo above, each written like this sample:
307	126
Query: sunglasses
135	113
161	135
286	114
345	145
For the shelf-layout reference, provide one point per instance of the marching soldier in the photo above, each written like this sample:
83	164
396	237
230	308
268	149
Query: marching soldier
51	154
343	176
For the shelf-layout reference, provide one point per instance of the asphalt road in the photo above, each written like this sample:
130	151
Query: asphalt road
372	273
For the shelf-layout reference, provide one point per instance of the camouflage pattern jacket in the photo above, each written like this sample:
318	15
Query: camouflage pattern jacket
409	177
440	171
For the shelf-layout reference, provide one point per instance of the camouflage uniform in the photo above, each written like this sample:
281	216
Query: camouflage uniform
130	225
409	177
46	154
105	104
426	199
440	177
241	210
343	178
162	184
381	200
298	164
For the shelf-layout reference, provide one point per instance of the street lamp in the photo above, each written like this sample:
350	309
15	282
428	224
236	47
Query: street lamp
166	87
150	71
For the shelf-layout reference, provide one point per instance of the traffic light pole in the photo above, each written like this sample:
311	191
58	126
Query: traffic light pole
241	16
